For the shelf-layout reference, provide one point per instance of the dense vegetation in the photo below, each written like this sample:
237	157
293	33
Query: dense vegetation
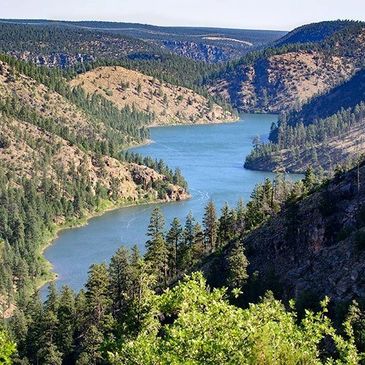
64	46
203	44
143	309
125	315
34	203
303	134
314	33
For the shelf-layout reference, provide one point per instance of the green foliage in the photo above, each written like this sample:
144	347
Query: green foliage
206	329
237	267
31	209
7	348
210	224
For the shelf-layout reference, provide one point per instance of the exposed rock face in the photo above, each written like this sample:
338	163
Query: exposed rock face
318	244
176	193
24	145
281	80
146	177
198	51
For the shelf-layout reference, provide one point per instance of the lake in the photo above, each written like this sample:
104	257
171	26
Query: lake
210	157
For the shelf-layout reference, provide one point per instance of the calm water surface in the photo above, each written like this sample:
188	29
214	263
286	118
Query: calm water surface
211	159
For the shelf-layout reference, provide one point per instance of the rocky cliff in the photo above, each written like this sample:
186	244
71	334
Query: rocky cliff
288	75
316	245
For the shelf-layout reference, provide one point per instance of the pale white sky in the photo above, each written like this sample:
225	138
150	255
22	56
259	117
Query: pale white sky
256	14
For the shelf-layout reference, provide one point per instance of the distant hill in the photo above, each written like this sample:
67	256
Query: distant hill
60	46
201	44
285	76
169	104
314	33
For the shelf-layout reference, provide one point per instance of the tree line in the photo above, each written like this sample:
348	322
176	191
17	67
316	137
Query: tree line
141	309
305	142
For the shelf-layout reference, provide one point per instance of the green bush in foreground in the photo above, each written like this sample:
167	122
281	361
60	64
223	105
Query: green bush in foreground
192	325
7	348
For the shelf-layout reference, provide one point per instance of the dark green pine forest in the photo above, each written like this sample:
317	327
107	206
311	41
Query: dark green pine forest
275	280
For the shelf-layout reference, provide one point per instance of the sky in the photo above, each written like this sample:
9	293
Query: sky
246	14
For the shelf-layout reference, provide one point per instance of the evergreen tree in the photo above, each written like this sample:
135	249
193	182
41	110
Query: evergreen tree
237	267
174	245
198	247
67	323
310	179
240	218
210	227
225	225
120	282
97	293
157	254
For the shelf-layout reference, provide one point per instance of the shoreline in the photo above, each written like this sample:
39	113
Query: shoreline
218	122
82	222
50	275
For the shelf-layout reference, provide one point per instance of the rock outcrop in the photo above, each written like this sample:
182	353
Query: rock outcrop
316	245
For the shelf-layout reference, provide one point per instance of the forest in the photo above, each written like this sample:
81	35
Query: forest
125	315
168	304
36	202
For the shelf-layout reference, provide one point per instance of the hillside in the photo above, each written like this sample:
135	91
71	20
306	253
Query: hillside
210	45
325	132
286	76
168	104
57	46
60	164
313	248
315	32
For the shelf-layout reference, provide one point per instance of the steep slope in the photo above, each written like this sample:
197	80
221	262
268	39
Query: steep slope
344	96
314	247
60	163
340	150
315	32
287	76
61	46
325	132
169	104
30	152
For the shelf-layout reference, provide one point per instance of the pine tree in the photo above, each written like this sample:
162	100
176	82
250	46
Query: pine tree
310	179
237	267
97	293
198	246
157	252
173	241
240	218
120	281
210	227
225	224
185	255
67	320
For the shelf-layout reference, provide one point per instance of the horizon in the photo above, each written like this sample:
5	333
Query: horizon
283	15
15	20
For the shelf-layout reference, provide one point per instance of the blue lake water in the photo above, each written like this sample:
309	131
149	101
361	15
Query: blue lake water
210	157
